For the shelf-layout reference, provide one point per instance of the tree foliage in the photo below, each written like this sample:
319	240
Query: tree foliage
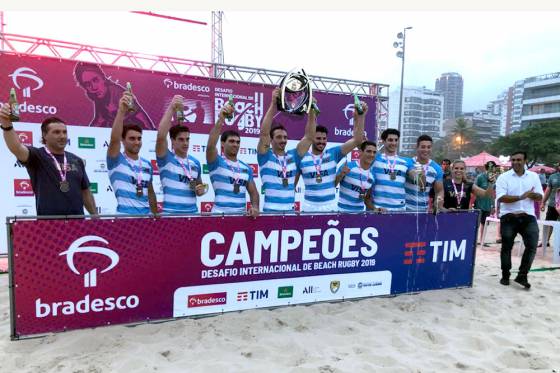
541	142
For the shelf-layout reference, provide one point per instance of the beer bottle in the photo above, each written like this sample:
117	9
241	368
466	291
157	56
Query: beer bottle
230	102
180	114
14	107
131	107
358	105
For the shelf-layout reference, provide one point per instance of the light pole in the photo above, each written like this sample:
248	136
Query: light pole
401	44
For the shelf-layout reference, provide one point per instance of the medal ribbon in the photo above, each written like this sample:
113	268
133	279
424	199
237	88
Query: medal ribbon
284	165
237	171
392	163
317	164
60	172
186	170
361	183
457	196
137	169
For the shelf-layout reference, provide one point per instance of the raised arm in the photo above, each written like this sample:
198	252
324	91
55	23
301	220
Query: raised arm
165	124
116	133
264	138
304	144
358	136
214	136
342	172
479	192
10	136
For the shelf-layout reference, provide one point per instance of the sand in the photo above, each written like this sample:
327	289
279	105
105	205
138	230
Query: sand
486	328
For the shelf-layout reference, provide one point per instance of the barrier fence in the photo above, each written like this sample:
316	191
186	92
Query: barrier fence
78	273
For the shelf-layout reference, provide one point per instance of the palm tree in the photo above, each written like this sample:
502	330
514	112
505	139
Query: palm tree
462	133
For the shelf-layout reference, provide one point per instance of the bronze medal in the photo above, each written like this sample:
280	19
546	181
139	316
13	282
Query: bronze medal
318	179
284	182
236	188
139	191
362	196
393	175
192	184
64	186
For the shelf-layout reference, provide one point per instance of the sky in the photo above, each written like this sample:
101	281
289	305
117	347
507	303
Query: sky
490	49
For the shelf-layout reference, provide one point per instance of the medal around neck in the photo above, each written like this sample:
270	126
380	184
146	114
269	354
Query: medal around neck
296	94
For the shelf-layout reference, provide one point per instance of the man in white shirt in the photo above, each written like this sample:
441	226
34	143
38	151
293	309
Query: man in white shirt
516	191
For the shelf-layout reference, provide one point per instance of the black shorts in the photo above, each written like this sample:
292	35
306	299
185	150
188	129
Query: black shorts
551	213
483	216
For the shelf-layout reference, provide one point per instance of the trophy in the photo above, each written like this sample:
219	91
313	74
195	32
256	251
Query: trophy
296	94
14	107
230	103
131	107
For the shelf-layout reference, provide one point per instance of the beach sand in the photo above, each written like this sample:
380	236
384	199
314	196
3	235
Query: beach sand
486	328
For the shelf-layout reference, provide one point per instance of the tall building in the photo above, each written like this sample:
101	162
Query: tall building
422	115
502	107
451	86
536	99
485	123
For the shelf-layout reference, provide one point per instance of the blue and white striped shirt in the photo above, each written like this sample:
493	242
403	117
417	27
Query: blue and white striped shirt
124	176
390	194
277	196
417	200
325	190
357	181
178	196
223	175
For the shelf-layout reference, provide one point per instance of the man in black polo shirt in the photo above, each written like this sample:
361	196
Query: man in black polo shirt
58	177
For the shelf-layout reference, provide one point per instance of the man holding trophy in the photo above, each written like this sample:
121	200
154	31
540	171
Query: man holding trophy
318	167
278	166
179	171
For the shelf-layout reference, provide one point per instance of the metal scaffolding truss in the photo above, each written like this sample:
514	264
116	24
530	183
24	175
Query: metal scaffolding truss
28	45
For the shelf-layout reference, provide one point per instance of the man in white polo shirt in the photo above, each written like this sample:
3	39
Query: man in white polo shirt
516	191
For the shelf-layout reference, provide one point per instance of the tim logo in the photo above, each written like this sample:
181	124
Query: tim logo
90	278
204	300
25	137
419	258
29	74
22	187
349	114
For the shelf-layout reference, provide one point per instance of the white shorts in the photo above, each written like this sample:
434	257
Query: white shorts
331	206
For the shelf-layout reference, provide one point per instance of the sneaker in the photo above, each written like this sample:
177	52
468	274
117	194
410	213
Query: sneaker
522	280
504	281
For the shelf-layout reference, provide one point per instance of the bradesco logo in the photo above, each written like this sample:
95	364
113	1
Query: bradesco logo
28	74
87	305
205	300
25	137
171	84
22	187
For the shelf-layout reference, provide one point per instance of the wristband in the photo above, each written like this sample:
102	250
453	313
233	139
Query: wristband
7	128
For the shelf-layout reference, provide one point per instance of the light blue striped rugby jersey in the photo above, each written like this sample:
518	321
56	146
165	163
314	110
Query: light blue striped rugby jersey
415	199
355	182
222	178
278	197
390	194
324	191
123	176
178	196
